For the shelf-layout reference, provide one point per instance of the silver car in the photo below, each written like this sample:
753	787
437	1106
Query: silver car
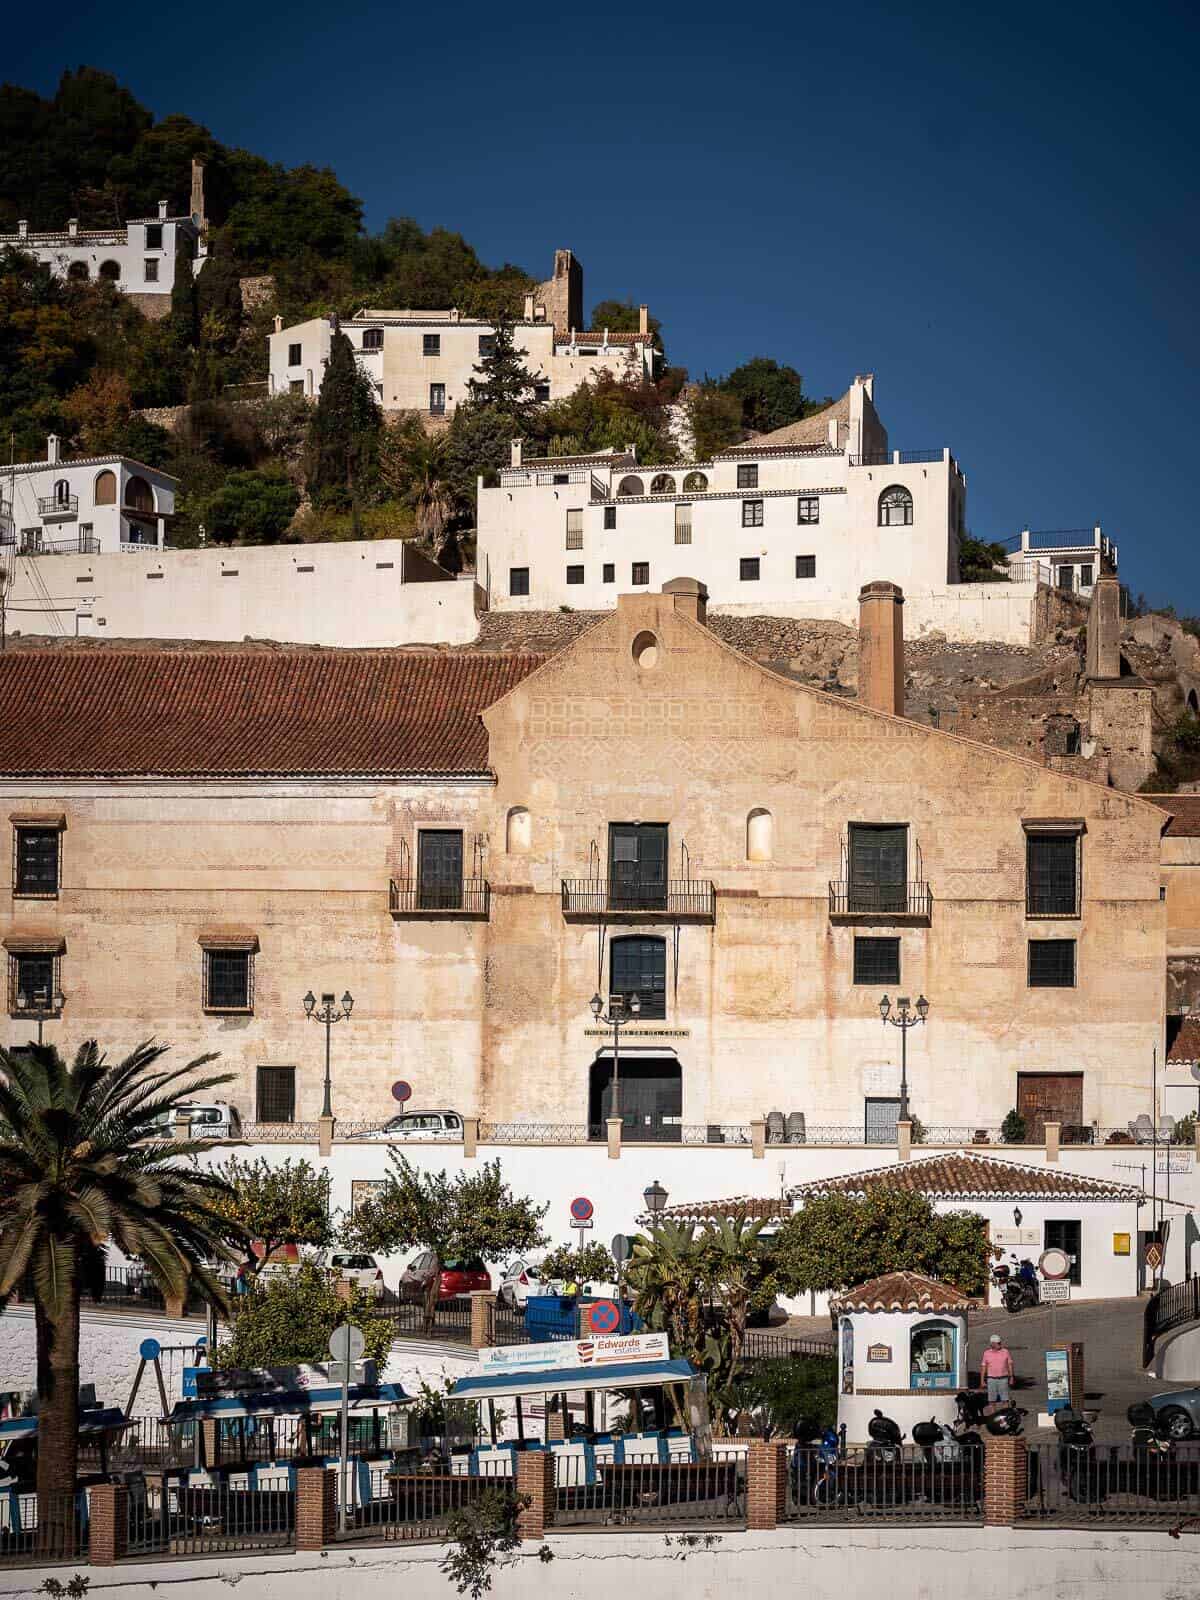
424	1125
1178	1411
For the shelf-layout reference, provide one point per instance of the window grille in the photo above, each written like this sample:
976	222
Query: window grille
276	1097
1051	963
431	344
574	574
806	566
574	530
752	513
373	339
610	518
808	508
748	569
639	966
640	575
876	960
747	477
895	507
228	980
1052	875
610	572
36	862
683	524
518	581
33	982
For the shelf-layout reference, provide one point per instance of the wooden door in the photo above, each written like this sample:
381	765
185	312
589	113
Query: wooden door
1044	1097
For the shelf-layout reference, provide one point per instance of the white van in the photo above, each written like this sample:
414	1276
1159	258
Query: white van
215	1120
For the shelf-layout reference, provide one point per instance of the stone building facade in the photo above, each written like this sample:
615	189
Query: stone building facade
474	845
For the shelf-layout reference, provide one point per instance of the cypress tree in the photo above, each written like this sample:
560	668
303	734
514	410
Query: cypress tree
342	449
504	382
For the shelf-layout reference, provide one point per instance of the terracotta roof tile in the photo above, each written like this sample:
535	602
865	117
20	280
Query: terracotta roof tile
239	713
1185	821
963	1175
1186	1047
740	1206
902	1291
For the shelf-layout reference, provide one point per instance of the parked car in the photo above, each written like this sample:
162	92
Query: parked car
457	1277
418	1125
352	1267
519	1279
216	1119
1178	1411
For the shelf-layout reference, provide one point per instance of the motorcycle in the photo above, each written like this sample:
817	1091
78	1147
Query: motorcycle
952	1464
1017	1284
883	1473
1156	1470
999	1417
1084	1473
819	1469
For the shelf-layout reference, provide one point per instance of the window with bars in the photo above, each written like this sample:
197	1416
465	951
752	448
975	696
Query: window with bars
640	573
372	339
610	572
1052	875
752	513
806	566
575	530
748	569
610	518
150	269
683	524
431	344
275	1100
437	399
639	966
518	581
36	862
1051	963
294	355
876	960
487	344
808	509
33	984
747	476
895	507
574	574
228	980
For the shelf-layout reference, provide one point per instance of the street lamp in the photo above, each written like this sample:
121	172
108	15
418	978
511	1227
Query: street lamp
621	1010
51	1006
904	1020
327	1013
655	1197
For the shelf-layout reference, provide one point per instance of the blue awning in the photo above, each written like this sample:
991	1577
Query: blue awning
557	1380
289	1403
109	1419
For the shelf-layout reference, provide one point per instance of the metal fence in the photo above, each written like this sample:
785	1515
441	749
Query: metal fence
620	1494
409	1506
909	1485
26	1539
506	1325
451	1318
202	1519
1073	1485
533	1133
717	1133
761	1344
148	1444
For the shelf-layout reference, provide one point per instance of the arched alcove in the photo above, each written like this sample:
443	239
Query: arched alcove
518	831
760	835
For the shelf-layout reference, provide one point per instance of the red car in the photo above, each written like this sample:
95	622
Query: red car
457	1277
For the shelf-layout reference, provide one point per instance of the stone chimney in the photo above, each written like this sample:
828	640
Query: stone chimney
690	597
73	226
278	324
162	210
643	319
881	647
52	447
528	308
22	230
1104	628
196	203
516	450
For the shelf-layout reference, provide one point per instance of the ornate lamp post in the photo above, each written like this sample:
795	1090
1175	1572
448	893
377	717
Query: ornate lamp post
904	1020
620	1011
328	1013
655	1197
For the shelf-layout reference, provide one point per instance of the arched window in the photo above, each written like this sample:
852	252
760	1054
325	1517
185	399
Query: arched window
895	507
933	1355
695	483
105	491
78	271
110	270
760	835
630	486
373	339
62	492
139	496
639	966
518	833
662	483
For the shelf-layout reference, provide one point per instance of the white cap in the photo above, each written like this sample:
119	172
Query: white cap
995	1339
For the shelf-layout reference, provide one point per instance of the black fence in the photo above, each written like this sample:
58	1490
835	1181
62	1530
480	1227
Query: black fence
908	1484
506	1325
850	899
675	899
27	1540
1075	1485
654	1493
764	1344
192	1519
469	898
411	1506
1170	1308
451	1319
151	1445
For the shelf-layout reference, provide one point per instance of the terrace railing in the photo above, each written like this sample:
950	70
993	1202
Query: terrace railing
917	1486
648	1493
1077	1485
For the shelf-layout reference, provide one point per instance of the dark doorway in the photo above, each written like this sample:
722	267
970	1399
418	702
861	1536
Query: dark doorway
878	868
639	966
651	1099
1067	1236
439	870
637	866
1044	1097
881	1119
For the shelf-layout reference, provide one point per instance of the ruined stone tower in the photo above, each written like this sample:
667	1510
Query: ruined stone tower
562	295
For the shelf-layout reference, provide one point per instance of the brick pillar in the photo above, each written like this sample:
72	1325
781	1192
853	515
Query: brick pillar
1075	1374
316	1508
482	1301
1005	1479
758	1138
324	1136
108	1528
210	1449
556	1424
1052	1133
904	1140
535	1481
766	1484
181	1127
613	1124
470	1137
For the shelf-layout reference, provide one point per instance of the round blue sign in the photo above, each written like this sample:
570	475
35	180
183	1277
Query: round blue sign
581	1209
149	1349
401	1091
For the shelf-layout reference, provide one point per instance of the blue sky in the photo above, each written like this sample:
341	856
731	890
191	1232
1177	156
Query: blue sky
994	210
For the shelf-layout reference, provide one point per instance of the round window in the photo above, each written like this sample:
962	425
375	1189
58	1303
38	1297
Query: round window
645	650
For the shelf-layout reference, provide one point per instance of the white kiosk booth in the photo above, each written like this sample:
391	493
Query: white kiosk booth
902	1349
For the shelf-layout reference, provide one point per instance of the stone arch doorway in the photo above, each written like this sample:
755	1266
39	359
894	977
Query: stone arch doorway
651	1097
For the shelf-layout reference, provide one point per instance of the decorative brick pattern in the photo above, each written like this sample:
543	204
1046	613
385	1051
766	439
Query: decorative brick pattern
1005	1480
316	1508
482	1302
108	1529
535	1482
766	1484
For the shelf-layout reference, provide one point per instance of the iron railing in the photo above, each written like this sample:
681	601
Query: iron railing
451	1318
664	899
763	1344
533	1133
29	1539
1169	1308
412	1506
717	1133
592	1493
506	1325
469	898
149	547
280	1132
32	544
909	1485
912	900
194	1519
58	505
1077	1485
892	458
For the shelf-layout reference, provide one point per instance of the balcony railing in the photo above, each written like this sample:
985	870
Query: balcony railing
410	898
880	902
32	544
897	458
656	900
55	506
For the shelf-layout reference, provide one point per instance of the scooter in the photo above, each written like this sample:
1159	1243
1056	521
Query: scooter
952	1466
1017	1284
883	1472
999	1417
1083	1472
820	1478
1156	1470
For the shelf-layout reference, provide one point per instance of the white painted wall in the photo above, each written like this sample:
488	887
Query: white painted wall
108	1354
142	267
349	594
892	1330
27	522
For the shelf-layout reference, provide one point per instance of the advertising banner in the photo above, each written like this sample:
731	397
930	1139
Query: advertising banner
561	1355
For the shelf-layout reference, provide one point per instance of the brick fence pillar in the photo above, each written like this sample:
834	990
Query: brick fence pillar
766	1484
904	1141
535	1482
108	1523
1075	1374
470	1137
316	1508
613	1124
482	1302
1005	1480
210	1447
758	1138
1053	1132
324	1136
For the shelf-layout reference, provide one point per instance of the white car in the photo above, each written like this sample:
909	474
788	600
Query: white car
353	1267
418	1125
215	1120
519	1279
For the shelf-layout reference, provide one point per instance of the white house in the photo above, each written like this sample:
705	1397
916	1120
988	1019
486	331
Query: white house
92	505
1070	559
137	257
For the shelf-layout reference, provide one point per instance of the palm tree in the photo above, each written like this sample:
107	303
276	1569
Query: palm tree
82	1163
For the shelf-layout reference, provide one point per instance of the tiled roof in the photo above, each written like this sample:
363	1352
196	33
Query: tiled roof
219	714
902	1291
597	336
967	1176
85	461
1185	1051
1185	821
809	430
743	1205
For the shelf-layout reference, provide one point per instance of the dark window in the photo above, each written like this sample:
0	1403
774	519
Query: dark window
439	869
32	983
878	868
228	980
294	356
1066	1236
574	574
610	518
610	572
560	477
748	568
276	1101
518	581
1086	575
36	861
752	513
639	966
637	866
806	566
150	268
373	339
541	393
747	477
880	1120
154	236
296	386
1051	963
1052	875
1066	577
640	573
431	344
895	507
808	508
487	344
876	960
437	399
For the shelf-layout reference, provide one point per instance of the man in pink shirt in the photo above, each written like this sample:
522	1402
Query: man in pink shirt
996	1369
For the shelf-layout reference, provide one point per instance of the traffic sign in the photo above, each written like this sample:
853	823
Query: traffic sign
1154	1255
1054	1263
605	1317
581	1209
621	1248
401	1091
346	1344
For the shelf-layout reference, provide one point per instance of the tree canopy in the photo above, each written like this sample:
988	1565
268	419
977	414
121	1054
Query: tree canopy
277	1205
771	395
286	1320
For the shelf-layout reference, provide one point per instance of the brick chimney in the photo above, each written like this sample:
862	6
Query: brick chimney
162	209
1104	628
196	203
23	229
643	319
72	226
881	647
528	308
690	597
52	447
516	450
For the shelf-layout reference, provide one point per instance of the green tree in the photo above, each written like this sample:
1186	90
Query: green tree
219	298
503	382
980	562
80	1165
580	1264
714	418
412	465
468	1215
184	319
286	1320
778	1392
771	396
344	434
253	507
609	412
277	1205
622	316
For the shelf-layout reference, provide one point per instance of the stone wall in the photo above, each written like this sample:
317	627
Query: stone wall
154	307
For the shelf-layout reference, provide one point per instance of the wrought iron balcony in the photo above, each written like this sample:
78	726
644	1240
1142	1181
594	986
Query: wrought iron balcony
655	900
469	898
882	904
55	508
